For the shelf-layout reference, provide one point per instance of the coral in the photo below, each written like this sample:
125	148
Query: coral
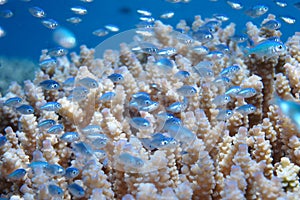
244	156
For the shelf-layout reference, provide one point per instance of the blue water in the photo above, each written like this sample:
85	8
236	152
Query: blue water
26	36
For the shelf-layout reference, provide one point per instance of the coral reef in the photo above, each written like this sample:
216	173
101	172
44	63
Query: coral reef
244	156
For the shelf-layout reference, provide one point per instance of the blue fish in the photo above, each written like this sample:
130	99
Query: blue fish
130	160
108	96
70	137
76	190
182	75
165	64
267	48
55	191
88	82
51	106
47	123
230	71
55	170
92	128
247	92
50	85
55	129
246	109
71	172
69	82
3	140
11	102
224	114
83	148
139	123
35	164
17	174
116	78
186	91
25	109
48	63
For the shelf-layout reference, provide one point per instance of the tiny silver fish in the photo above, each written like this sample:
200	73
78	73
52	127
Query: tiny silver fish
147	19
167	15
267	48
49	85
51	106
281	4
100	154
83	149
164	64
107	96
100	32
2	32
18	174
230	71
37	12
246	109
48	63
76	190
144	12
130	160
47	123
235	5
55	191
167	51
79	93
70	137
116	78
148	48
69	82
112	27
239	38
25	109
247	92
224	81
288	19
54	170
272	25
90	129
232	91
181	133
74	20
88	82
202	50
223	48
55	129
13	101
79	10
186	91
176	107
139	123
215	55
221	17
257	11
204	72
203	35
58	52
50	23
182	37
71	172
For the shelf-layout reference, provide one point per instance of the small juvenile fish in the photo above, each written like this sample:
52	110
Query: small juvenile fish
48	63
79	10
2	32
215	55
3	140
50	23
167	51
55	129
79	93
186	91
221	100
6	13
58	52
167	15
182	37
74	20
2	2
25	109
232	91
147	19
55	191
181	133
13	101
148	48
116	78
100	154
143	95
51	106
202	50
55	170
83	148
69	82
224	81
182	75
164	64
272	25
17	175
37	12
50	85
239	38
223	48
281	4
257	11
76	190
88	82
224	114
246	109
112	28
144	12
139	123
107	96
176	107
70	137
130	160
71	172
47	123
267	48
288	19
94	136
35	164
230	71
235	5
91	129
100	32
143	103
246	92
221	17
203	35
158	141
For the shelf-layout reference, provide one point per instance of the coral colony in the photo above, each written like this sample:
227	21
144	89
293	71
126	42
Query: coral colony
181	113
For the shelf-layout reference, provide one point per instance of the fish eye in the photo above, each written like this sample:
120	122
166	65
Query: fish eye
147	102
164	142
